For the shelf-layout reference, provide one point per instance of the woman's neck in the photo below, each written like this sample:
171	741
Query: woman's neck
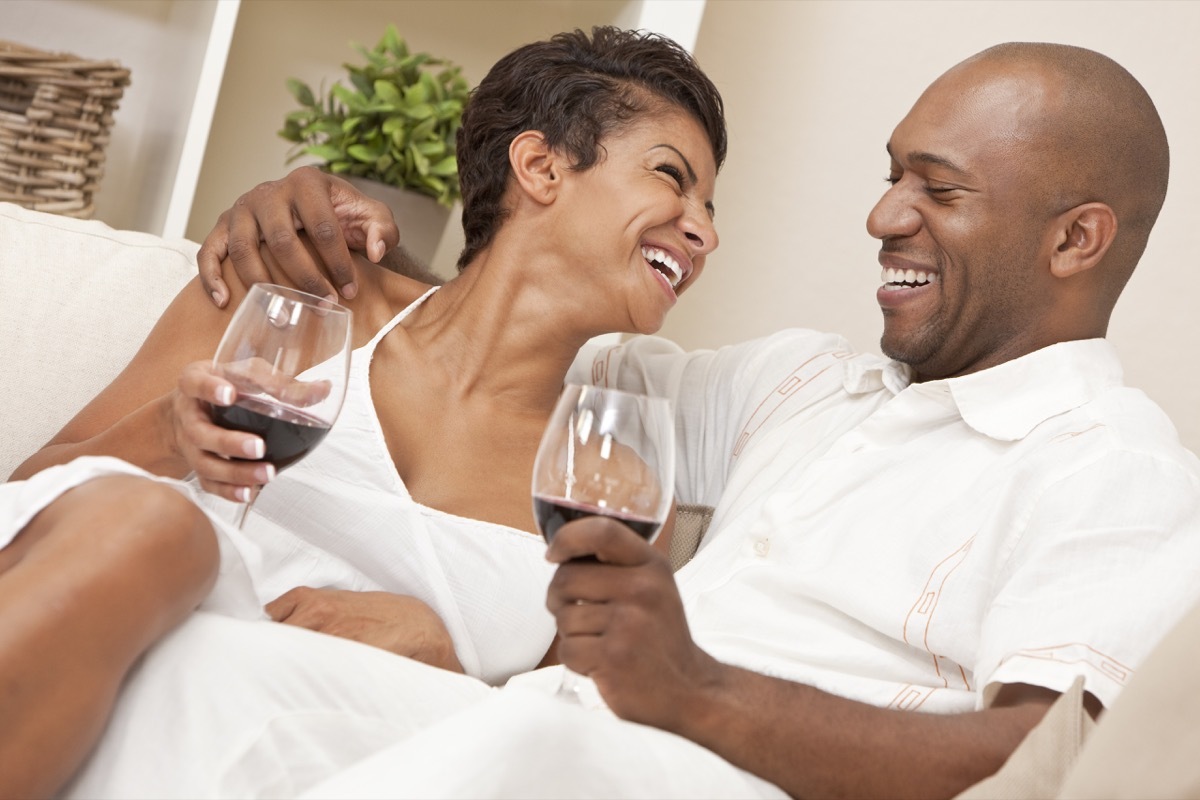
505	327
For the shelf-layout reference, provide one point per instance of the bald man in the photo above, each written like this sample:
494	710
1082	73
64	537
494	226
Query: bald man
910	557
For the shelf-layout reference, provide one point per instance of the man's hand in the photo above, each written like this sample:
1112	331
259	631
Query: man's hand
397	623
621	622
337	217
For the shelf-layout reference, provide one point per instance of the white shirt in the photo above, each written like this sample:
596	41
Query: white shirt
916	546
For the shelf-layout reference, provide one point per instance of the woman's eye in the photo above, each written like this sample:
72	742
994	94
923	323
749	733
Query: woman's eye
891	180
672	171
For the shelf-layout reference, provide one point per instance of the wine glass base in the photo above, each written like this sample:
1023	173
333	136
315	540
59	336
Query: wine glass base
580	690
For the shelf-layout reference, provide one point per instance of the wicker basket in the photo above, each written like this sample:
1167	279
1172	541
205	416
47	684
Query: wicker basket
55	114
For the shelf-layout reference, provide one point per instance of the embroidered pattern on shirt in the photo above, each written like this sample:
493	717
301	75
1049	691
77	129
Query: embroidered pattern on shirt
920	617
787	389
1079	653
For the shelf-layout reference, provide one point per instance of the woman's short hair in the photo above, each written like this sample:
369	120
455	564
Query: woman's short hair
576	89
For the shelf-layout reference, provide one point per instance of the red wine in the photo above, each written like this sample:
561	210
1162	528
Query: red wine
287	434
554	512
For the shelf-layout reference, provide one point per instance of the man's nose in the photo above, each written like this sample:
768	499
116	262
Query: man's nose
894	215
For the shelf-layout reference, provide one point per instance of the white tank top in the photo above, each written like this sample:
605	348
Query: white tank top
342	518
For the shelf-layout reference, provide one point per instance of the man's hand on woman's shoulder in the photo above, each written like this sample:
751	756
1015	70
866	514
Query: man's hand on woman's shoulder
336	216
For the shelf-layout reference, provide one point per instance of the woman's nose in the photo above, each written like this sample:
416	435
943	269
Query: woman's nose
698	227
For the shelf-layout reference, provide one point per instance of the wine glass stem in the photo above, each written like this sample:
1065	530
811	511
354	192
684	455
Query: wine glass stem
244	511
570	689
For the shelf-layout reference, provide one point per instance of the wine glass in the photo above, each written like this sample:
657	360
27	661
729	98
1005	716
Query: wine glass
287	353
608	453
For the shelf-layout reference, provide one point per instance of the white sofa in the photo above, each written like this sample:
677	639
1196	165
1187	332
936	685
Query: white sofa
78	299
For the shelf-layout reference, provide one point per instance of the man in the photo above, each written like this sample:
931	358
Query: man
965	529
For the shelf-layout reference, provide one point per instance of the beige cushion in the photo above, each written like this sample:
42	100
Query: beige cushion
79	298
1038	766
691	521
1148	744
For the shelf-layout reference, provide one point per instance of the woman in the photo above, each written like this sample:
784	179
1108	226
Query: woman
588	166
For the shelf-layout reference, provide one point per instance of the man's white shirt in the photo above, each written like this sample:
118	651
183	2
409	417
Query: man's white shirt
917	545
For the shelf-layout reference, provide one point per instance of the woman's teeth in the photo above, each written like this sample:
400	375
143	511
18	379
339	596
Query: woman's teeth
664	263
907	277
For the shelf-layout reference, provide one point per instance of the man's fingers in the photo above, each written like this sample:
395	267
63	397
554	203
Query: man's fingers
325	232
212	252
243	246
610	541
581	618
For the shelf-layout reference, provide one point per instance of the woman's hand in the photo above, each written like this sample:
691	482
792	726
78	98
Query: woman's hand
337	217
397	623
225	461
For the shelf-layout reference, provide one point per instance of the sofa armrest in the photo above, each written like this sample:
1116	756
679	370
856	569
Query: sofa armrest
79	299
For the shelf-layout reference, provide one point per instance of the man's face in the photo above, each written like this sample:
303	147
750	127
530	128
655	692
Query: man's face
963	226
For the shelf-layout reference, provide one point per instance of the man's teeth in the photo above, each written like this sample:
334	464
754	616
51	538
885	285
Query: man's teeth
664	263
911	277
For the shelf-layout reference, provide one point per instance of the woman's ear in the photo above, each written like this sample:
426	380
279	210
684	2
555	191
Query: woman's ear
535	167
1083	235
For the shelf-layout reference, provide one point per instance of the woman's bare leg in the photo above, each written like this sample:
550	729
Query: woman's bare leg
91	582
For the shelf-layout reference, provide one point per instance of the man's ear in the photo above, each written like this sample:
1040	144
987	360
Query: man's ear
536	168
1083	235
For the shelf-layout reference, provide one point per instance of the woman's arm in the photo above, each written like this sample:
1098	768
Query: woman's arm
138	417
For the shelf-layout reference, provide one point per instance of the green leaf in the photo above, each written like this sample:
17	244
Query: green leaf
447	167
423	130
419	161
432	148
324	152
416	95
387	92
421	111
301	91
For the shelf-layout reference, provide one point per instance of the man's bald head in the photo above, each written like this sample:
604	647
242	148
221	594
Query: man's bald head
1099	138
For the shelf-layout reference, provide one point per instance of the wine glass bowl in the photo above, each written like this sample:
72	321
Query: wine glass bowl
608	453
287	354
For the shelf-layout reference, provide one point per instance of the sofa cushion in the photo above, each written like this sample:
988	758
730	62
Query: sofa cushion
79	298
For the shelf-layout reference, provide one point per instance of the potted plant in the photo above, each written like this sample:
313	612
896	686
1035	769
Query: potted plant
391	133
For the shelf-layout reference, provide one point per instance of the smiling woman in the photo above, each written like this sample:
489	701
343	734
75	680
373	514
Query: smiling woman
588	165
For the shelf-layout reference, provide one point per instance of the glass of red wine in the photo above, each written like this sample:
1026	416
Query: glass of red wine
609	453
287	353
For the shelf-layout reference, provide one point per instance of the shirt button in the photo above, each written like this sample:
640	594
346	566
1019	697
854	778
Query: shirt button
762	547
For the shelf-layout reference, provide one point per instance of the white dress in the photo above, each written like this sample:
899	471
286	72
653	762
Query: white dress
342	518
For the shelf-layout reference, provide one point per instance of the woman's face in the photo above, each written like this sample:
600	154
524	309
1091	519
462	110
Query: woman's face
641	220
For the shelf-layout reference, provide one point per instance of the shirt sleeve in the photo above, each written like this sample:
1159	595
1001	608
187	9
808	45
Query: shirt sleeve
1105	566
715	393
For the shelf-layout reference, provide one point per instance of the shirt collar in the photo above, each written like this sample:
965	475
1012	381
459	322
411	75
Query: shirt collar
1008	401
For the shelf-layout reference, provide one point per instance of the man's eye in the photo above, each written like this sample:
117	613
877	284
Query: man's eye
940	189
672	171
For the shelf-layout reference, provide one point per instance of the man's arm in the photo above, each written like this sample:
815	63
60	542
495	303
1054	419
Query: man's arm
621	621
337	217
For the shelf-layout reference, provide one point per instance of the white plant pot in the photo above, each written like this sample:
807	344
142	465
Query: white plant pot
422	221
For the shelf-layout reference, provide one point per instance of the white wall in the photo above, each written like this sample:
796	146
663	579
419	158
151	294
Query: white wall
813	90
